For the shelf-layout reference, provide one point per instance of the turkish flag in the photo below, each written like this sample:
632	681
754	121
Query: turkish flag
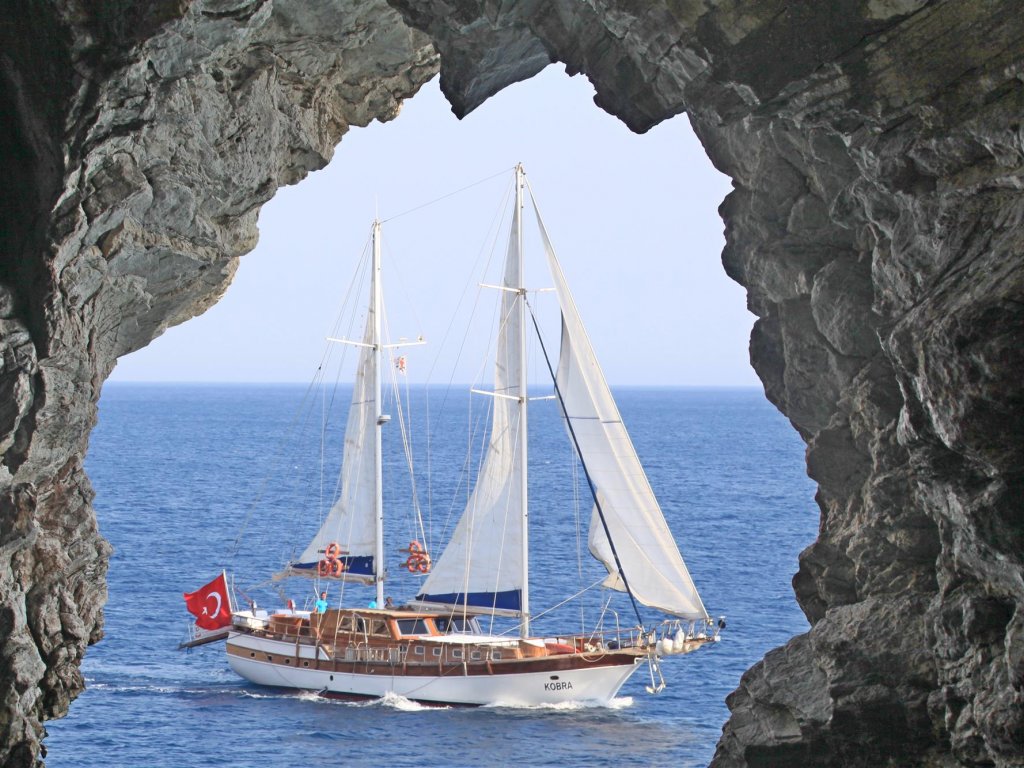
210	604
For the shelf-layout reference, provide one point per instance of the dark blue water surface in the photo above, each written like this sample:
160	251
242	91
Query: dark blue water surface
194	478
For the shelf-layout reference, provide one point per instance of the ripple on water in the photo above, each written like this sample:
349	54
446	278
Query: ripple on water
175	469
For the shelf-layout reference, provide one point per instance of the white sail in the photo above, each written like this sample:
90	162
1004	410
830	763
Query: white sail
351	523
482	566
647	552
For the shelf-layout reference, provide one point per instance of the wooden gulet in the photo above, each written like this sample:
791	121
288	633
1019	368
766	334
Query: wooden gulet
433	649
437	658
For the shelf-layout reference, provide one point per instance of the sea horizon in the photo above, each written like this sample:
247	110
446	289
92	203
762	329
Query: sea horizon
221	383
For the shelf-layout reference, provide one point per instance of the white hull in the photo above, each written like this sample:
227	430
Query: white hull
594	683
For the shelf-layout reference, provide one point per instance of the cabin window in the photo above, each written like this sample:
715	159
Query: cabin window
437	651
475	656
413	627
305	663
419	650
496	655
456	653
460	624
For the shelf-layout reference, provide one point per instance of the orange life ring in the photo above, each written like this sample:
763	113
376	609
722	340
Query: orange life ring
337	568
418	562
323	568
332	551
414	547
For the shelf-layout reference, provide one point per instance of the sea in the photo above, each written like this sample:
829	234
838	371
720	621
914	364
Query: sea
193	479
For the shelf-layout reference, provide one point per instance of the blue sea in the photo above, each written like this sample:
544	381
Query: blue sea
191	479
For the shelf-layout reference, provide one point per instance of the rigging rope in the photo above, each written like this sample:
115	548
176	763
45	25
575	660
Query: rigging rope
445	197
302	413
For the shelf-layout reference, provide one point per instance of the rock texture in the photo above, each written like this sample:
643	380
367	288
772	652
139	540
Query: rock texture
877	154
877	222
139	140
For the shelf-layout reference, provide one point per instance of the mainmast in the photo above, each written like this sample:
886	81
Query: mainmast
524	623
378	462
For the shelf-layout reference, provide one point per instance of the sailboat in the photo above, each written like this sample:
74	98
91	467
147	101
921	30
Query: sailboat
433	648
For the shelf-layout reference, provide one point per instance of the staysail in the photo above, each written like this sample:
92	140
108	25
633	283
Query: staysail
482	567
351	523
646	550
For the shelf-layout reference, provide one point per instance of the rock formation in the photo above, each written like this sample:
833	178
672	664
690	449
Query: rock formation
877	222
139	141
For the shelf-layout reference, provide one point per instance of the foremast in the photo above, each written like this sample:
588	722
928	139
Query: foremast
350	543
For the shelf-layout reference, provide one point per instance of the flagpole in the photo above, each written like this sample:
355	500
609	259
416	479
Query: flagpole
231	590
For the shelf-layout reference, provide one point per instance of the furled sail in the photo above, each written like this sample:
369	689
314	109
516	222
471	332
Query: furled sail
351	522
481	569
648	554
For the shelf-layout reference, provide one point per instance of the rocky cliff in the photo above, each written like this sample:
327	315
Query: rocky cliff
877	222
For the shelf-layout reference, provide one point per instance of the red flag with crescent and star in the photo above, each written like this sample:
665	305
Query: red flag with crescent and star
210	604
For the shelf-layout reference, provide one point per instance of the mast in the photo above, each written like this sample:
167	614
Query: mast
378	462
524	623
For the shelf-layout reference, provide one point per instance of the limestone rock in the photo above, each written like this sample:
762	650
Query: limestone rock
877	156
144	138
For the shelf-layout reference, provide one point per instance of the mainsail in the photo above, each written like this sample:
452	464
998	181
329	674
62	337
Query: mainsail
648	554
482	567
351	523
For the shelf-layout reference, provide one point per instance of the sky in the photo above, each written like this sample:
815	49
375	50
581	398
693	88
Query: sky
633	219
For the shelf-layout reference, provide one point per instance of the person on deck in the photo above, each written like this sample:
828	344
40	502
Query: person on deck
388	602
321	604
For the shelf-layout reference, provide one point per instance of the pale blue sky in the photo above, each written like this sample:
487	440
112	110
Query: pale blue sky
633	218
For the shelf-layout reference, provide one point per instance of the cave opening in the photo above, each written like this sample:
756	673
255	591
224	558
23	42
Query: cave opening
875	223
622	199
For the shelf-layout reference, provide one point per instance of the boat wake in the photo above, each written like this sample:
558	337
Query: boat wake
620	702
390	700
402	704
248	693
163	689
